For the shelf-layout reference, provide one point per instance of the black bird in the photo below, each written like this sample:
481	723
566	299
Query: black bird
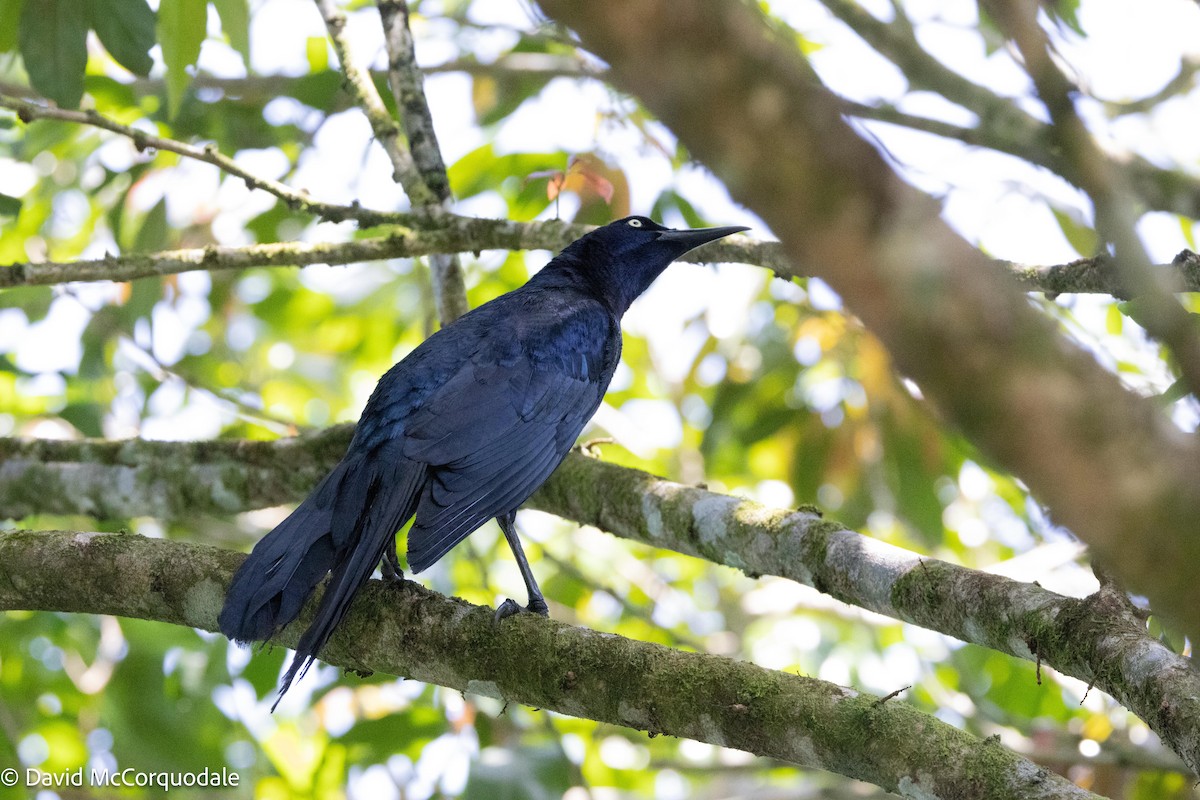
462	430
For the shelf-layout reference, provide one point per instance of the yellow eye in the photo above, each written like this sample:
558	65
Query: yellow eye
635	223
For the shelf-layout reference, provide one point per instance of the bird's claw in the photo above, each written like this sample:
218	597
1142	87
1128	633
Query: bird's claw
390	568
591	448
510	607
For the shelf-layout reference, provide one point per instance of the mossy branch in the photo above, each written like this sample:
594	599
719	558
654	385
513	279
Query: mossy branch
409	631
1091	639
416	235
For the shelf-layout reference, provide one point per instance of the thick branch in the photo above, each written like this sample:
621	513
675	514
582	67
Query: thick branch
410	631
408	87
360	85
1092	639
1107	462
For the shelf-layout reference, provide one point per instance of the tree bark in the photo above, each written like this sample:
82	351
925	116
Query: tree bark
1094	639
1107	462
404	629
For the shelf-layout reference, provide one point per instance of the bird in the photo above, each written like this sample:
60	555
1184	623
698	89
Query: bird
462	430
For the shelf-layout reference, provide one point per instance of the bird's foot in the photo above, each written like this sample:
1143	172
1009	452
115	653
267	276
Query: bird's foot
509	607
391	569
591	448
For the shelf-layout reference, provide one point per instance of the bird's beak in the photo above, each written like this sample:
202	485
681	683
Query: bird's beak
694	238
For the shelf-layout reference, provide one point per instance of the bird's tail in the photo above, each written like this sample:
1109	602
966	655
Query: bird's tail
343	526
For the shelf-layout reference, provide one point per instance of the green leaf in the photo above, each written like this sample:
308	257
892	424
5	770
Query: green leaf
1113	321
1188	227
316	48
264	669
530	772
53	44
1140	310
1066	12
913	457
10	10
1079	236
88	418
33	300
9	206
153	233
1176	391
672	200
126	29
235	21
181	28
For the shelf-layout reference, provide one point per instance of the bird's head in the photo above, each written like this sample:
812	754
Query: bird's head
624	257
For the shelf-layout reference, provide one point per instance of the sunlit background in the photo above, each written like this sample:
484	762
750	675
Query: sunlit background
756	386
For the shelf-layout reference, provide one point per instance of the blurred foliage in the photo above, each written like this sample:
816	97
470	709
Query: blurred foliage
774	392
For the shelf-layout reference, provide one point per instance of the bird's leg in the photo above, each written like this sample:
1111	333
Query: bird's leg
391	565
537	603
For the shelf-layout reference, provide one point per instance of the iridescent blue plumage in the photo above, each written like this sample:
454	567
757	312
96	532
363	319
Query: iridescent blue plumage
462	430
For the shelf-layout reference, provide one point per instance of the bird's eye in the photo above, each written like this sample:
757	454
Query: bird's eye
635	223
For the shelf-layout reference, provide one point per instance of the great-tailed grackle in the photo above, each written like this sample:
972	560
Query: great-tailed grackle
462	430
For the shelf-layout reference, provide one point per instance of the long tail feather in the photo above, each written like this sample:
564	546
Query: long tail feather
269	589
343	527
392	491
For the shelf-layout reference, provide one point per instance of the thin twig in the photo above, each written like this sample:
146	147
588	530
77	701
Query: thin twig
1182	83
359	83
407	84
1165	318
1023	134
296	199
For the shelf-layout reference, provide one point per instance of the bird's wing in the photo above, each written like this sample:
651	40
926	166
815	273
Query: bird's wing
493	434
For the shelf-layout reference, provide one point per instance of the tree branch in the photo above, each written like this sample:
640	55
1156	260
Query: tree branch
1106	461
1181	84
360	85
417	235
408	88
1004	126
398	244
463	234
1164	318
409	631
1099	275
1094	639
407	84
296	199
